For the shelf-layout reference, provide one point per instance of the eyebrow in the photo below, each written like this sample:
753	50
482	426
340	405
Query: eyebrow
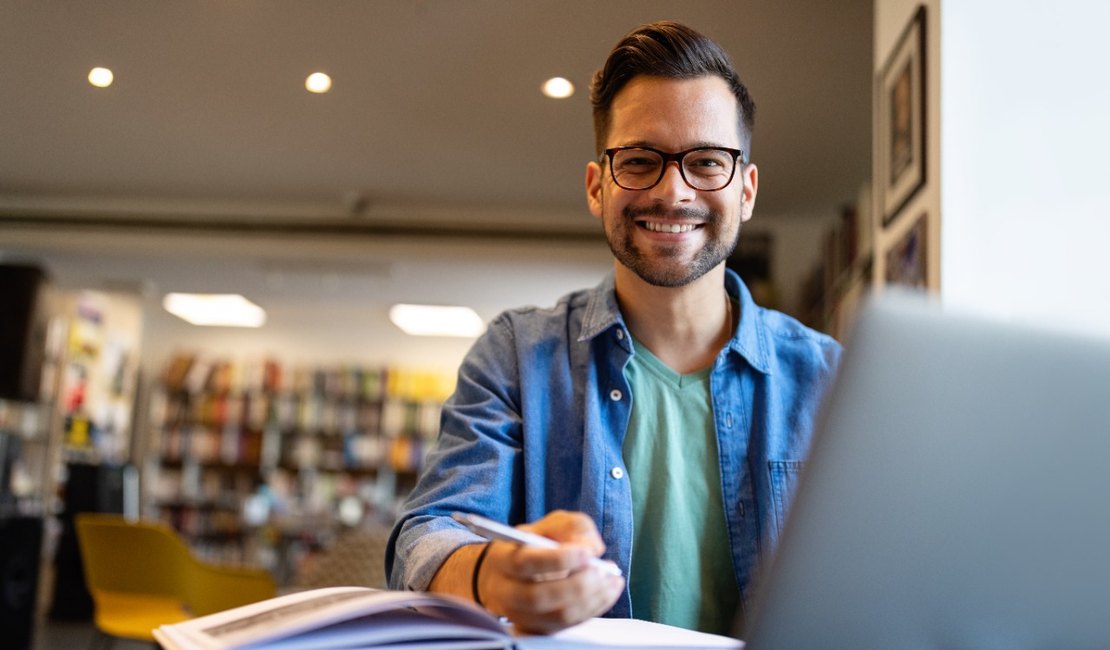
696	145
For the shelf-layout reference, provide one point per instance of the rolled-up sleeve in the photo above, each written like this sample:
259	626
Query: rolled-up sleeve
474	467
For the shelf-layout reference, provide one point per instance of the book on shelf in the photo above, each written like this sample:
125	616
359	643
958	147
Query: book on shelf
359	617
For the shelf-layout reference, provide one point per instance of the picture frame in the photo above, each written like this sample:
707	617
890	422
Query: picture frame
907	261
900	111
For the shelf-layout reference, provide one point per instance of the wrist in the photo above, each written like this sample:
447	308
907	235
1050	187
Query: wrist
477	570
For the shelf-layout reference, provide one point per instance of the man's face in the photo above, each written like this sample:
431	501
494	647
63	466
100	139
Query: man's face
672	115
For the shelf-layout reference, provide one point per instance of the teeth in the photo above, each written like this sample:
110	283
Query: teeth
668	227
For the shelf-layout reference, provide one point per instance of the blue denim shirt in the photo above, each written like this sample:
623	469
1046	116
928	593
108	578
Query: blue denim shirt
538	417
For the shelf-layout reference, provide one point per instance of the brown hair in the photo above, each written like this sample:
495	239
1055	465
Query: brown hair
671	50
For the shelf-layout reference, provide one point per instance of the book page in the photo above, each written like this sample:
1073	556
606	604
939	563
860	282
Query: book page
404	627
342	617
357	617
600	633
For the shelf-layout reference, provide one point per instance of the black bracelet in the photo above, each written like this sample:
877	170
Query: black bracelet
477	568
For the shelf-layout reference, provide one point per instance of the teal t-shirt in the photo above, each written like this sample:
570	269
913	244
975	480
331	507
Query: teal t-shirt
681	570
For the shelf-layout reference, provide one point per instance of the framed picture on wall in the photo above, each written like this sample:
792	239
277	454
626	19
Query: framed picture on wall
907	260
901	120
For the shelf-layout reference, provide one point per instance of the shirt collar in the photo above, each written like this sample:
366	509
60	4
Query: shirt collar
749	340
601	309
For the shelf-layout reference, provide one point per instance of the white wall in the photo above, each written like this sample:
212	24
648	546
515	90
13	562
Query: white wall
1025	145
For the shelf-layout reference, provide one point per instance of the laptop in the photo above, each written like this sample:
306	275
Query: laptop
957	493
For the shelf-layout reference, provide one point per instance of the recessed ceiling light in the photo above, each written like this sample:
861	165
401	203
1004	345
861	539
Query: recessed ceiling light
558	88
318	82
101	77
436	320
215	309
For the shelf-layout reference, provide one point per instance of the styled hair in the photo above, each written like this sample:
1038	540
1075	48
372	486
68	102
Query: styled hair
670	50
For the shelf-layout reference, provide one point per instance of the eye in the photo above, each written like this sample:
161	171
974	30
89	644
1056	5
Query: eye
705	162
710	161
636	162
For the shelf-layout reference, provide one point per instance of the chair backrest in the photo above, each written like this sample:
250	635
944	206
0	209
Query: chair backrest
149	558
132	556
213	588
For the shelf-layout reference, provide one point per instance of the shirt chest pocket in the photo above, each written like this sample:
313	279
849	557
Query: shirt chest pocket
783	475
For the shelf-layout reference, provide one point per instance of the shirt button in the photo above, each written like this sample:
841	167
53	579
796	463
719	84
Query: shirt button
620	335
616	473
615	395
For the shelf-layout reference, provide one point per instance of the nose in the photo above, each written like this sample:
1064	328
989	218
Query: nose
672	187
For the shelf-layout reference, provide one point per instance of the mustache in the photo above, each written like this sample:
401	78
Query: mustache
699	214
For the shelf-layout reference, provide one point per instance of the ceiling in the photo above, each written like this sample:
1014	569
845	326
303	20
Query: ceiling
435	123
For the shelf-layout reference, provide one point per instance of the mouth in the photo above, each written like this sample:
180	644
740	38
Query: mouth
668	227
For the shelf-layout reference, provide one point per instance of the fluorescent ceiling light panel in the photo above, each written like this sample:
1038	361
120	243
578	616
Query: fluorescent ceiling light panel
436	320
215	309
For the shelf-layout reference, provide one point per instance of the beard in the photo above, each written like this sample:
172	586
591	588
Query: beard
664	268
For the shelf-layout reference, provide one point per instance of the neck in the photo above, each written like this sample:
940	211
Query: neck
685	327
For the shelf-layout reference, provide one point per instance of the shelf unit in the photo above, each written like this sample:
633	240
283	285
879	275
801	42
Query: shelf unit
253	464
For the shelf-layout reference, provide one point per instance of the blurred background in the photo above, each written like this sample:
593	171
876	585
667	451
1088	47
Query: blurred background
433	171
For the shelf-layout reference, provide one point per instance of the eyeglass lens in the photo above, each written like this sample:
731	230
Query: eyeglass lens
702	169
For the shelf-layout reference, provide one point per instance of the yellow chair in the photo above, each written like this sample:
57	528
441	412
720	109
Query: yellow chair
141	575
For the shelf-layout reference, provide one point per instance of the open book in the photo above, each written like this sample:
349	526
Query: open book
357	617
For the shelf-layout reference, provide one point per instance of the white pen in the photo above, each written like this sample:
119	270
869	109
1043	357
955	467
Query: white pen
493	530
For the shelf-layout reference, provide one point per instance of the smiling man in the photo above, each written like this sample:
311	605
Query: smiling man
659	420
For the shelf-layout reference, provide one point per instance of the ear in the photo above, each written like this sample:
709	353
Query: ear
750	176
594	176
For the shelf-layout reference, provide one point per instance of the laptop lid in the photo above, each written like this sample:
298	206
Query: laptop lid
957	493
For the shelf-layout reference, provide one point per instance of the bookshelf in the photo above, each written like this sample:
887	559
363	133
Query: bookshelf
256	463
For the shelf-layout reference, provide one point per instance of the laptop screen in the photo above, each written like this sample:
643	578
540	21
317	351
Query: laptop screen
957	493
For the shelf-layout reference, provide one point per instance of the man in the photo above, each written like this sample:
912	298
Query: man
658	420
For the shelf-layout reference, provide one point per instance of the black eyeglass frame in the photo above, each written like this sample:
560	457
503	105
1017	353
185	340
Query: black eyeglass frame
737	158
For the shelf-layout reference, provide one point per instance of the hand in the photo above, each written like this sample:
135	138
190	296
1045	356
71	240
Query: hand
545	590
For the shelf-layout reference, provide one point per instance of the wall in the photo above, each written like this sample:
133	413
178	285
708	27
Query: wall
891	18
327	298
798	241
311	326
337	317
1024	144
1017	132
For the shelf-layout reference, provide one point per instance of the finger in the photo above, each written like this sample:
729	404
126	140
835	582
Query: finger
546	607
529	583
532	564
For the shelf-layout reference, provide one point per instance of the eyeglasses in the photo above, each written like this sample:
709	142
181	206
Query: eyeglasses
703	168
